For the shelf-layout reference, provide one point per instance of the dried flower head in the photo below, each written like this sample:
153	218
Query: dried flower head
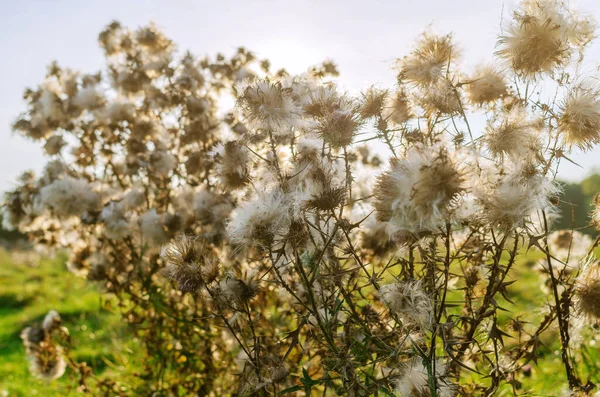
116	223
542	36
190	263
513	134
238	290
508	199
268	105
396	109
372	102
162	163
420	191
409	301
152	227
339	125
487	85
232	166
429	61
46	358
567	244
261	221
579	120
54	144
414	380
70	196
587	291
595	214
442	97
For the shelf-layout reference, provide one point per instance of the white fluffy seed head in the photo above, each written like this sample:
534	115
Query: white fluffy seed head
414	380
70	197
261	221
409	301
579	121
420	191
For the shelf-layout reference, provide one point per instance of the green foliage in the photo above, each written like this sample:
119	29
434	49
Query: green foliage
9	236
576	203
30	286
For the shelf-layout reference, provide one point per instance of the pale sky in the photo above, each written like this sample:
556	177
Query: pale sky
362	37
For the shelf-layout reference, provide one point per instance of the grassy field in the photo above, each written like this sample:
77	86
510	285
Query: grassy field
31	285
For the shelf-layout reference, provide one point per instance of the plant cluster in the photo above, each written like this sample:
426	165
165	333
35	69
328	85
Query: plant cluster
307	239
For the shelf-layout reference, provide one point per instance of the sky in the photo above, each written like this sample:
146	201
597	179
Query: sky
364	38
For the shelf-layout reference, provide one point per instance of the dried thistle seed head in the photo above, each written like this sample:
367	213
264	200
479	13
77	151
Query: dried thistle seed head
472	276
579	121
595	215
328	199
70	197
51	321
420	190
190	263
45	356
542	36
152	39
321	100
371	315
297	234
135	146
88	97
517	325
162	163
143	127
196	164
278	373
268	105
78	262
429	61
396	109
442	97
508	199
174	222
487	85
338	127
261	221
414	380
374	237
116	224
587	291
237	290
513	134
119	111
409	300
33	336
327	68
233	160
372	102
48	362
152	227
569	246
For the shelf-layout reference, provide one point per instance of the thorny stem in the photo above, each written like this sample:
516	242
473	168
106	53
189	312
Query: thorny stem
562	316
492	288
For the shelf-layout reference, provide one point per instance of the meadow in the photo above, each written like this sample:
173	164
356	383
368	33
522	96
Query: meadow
31	284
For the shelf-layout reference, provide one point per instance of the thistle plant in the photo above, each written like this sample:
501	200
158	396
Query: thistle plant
311	240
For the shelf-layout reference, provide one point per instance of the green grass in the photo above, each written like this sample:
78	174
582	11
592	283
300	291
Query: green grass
530	300
30	286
